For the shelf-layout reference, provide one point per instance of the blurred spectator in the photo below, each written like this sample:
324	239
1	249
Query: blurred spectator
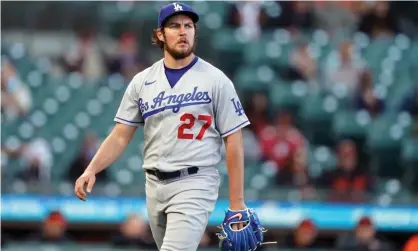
335	17
258	112
128	60
303	65
363	239
53	230
343	69
87	151
348	180
296	174
134	232
280	141
379	21
250	16
411	244
37	160
86	56
410	102
366	98
16	98
303	237
297	16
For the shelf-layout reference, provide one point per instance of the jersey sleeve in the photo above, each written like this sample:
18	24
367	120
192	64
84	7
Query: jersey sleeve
128	112
229	114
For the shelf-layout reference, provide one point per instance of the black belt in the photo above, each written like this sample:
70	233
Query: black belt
171	175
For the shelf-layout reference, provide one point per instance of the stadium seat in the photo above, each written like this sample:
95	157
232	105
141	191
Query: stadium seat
263	52
398	91
409	154
229	49
35	79
287	95
63	160
324	156
350	124
377	50
112	12
317	112
384	137
410	150
143	11
248	78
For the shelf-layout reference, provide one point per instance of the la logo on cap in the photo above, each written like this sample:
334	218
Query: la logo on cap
177	7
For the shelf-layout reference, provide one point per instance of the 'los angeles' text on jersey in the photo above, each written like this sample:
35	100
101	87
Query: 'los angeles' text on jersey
165	101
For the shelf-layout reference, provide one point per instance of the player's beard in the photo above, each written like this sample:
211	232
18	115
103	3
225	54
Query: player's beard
179	54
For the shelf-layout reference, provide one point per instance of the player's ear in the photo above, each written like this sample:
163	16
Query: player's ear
160	35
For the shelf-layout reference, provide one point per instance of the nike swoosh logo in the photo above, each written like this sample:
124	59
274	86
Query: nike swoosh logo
238	215
149	83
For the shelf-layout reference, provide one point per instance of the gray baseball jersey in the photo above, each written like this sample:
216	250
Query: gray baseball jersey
183	125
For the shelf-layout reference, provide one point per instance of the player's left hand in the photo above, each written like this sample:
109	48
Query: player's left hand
249	237
237	207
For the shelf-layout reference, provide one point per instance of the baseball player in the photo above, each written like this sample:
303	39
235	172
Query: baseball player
188	108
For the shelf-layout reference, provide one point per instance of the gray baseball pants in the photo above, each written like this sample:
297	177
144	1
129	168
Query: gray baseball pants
179	209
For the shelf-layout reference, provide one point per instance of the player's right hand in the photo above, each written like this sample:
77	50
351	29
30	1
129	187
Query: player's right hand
88	178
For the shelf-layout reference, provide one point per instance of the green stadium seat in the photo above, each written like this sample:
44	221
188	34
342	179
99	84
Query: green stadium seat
124	177
399	91
410	150
262	52
350	124
146	11
384	139
63	160
413	51
324	156
326	50
249	78
321	158
35	79
271	183
384	132
288	95
254	178
225	40
317	113
111	13
376	51
24	66
229	50
46	90
218	7
409	155
67	112
285	55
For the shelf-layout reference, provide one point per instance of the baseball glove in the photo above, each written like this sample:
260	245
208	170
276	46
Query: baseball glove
250	237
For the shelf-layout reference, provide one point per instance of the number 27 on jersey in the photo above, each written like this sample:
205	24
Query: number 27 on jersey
189	121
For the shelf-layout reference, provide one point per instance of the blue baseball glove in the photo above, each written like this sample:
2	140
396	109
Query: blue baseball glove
250	237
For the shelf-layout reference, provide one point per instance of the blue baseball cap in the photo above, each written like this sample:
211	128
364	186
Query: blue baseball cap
172	9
